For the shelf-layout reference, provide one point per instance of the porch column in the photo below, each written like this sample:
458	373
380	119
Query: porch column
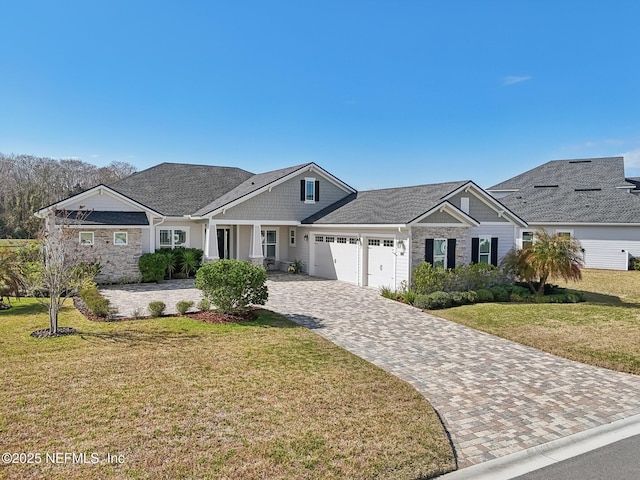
211	242
255	246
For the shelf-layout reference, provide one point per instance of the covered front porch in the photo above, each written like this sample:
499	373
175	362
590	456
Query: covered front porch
271	244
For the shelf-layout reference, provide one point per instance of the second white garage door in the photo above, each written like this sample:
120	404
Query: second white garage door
336	257
380	263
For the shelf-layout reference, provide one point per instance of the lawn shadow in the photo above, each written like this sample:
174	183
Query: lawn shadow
603	299
134	338
19	307
307	321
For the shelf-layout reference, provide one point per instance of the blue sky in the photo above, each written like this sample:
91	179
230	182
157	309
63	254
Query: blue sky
380	93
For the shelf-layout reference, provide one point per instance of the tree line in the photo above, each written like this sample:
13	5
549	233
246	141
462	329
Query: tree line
29	183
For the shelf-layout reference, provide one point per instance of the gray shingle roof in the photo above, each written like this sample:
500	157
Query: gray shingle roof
578	173
175	189
248	186
73	217
386	206
573	191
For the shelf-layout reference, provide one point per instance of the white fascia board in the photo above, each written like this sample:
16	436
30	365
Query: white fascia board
311	167
354	225
94	227
452	210
331	178
502	190
488	200
584	224
224	221
97	190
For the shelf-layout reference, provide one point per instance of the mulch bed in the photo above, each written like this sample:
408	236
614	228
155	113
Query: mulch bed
211	316
46	333
208	316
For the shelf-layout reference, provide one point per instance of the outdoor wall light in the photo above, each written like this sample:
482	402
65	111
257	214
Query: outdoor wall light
306	237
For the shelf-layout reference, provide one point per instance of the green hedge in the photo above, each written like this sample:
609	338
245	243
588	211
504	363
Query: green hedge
96	303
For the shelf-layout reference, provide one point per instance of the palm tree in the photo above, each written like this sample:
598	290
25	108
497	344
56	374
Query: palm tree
550	256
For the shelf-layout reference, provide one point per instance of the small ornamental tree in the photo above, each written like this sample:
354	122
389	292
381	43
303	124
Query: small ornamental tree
58	274
232	285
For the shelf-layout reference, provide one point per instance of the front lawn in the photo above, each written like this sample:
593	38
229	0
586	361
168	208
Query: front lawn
177	398
603	331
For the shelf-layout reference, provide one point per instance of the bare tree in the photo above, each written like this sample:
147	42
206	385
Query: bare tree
29	183
59	274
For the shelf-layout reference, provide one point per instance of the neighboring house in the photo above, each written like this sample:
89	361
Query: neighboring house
371	238
588	199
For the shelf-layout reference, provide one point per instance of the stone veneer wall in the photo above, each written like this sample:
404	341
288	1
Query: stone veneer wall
119	262
420	234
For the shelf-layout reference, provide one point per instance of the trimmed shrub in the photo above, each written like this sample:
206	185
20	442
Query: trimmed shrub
500	294
157	308
232	285
152	266
484	295
183	305
471	297
434	301
428	279
203	305
96	303
458	298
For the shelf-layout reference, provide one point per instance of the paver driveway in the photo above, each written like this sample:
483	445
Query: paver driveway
495	397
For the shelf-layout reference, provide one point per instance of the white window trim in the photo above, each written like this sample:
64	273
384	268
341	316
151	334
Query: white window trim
488	254
292	236
263	234
86	243
446	246
306	182
564	230
521	240
187	242
126	239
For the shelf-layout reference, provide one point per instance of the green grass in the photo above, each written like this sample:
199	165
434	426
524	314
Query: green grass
179	398
603	331
14	244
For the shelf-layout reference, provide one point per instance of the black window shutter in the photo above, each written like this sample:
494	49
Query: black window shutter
475	250
302	190
428	250
317	191
494	251
451	253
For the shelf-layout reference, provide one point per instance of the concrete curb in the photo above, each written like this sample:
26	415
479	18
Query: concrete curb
534	458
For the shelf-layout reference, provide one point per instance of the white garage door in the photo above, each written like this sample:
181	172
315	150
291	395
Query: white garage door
336	257
380	263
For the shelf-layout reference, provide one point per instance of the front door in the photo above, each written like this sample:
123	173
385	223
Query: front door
223	242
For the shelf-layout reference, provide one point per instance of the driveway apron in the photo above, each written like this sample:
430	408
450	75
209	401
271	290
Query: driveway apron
495	397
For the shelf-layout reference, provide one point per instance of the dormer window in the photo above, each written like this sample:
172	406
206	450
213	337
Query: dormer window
309	190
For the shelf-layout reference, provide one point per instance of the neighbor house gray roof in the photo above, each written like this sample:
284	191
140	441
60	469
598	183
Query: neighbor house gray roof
176	189
573	191
386	206
577	173
89	218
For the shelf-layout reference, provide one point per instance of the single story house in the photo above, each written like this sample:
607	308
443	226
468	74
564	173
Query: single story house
588	199
370	238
